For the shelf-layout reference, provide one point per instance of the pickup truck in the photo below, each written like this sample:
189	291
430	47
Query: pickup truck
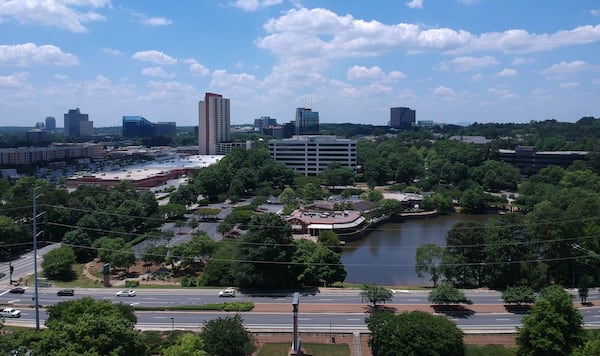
10	313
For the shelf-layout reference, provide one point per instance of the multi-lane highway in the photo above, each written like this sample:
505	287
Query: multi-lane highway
280	318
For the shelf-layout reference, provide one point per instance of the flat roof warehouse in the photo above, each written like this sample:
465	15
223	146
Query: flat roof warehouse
145	176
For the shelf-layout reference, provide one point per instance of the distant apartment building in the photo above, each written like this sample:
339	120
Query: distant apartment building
307	122
402	118
138	126
530	161
78	124
50	123
55	152
311	154
213	123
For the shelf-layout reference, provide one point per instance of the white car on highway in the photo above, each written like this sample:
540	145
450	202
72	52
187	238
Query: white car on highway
126	293
10	313
229	292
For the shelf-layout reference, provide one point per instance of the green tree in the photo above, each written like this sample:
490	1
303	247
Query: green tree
91	327
391	207
155	254
374	294
474	201
11	233
219	269
446	293
518	295
330	240
428	260
311	192
337	175
189	344
463	255
553	327
315	263
115	252
227	336
287	196
81	243
413	333
265	253
57	264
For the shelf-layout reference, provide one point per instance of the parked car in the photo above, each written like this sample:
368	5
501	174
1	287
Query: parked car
66	292
126	293
17	290
10	313
229	292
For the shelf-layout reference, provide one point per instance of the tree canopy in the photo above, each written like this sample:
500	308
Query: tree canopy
226	336
413	333
91	327
374	294
553	327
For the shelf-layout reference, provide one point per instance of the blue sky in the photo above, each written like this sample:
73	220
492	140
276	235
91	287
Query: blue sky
453	61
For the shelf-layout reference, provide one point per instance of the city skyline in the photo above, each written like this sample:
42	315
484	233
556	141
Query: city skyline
458	61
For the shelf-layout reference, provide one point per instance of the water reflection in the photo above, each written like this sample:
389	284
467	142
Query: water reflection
387	255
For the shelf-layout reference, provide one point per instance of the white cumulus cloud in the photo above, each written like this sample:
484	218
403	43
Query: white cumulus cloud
16	80
253	5
29	54
506	72
502	93
443	91
71	15
197	68
157	72
372	73
156	57
465	64
415	4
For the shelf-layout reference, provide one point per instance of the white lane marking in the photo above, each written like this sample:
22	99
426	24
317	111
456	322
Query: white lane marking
326	299
149	298
132	304
14	301
304	319
353	319
503	319
159	317
596	316
413	300
3	293
194	298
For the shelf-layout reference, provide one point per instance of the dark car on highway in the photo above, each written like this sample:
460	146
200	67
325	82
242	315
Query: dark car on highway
65	292
17	290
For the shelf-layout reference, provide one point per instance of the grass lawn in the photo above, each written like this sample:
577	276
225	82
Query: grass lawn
79	281
283	348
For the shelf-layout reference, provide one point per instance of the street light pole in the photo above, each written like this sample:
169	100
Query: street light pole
35	271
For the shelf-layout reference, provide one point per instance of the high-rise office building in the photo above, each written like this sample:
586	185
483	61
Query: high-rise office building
78	124
50	123
311	154
402	118
213	123
137	126
307	122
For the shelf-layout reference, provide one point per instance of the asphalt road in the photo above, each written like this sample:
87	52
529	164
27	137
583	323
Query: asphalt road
270	321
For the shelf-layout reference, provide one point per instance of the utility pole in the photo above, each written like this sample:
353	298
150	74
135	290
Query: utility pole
35	269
